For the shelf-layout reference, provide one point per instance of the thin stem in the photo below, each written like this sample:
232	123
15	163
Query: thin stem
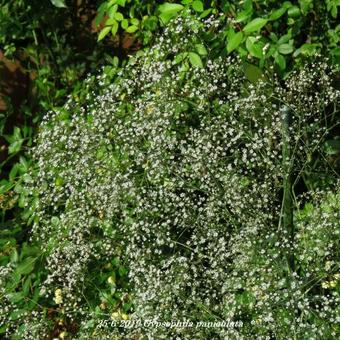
287	204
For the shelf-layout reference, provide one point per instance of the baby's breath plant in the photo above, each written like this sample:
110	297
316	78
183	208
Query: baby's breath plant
174	169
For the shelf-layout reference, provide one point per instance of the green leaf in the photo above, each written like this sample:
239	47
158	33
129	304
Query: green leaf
254	48
134	21
201	49
168	11
125	24
278	13
307	49
112	11
14	256
131	29
195	60
114	28
284	39
58	3
253	73
234	41
104	32
15	146
168	7
16	297
198	6
280	61
205	13
336	51
294	12
332	146
118	16
26	266
243	16
286	49
255	25
150	23
5	186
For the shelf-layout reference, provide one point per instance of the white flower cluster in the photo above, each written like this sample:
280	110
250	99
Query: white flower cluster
179	170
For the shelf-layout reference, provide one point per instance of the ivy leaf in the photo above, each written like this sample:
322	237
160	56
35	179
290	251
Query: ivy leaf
234	41
255	25
195	60
58	3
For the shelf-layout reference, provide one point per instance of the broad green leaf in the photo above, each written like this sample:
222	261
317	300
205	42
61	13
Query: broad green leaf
114	28
134	21
336	51
14	256
243	16
198	6
112	11
195	60
110	21
132	29
150	23
252	72
15	146
255	25
167	16
118	16
286	49
103	33
201	49
125	24
280	61
205	13
16	297
234	41
59	3
278	13
254	48
168	11
168	7
26	266
284	39
294	12
180	57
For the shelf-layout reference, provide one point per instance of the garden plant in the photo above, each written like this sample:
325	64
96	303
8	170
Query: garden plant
183	187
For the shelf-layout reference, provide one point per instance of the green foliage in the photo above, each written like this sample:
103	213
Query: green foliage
270	32
144	17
